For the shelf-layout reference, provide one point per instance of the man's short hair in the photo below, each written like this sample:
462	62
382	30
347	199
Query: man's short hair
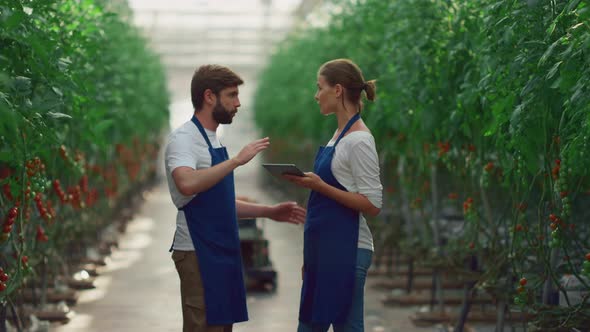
212	77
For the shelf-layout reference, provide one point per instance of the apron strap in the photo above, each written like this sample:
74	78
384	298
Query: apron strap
204	134
347	127
202	130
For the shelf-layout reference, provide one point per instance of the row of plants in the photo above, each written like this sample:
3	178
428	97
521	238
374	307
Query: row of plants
483	111
83	104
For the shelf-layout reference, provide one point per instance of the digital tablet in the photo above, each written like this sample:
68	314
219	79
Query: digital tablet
279	169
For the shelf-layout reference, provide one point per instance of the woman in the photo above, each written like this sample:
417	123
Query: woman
345	184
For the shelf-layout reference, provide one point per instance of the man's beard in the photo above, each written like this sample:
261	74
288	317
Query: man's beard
221	115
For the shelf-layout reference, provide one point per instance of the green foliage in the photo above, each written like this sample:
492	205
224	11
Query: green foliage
83	102
493	93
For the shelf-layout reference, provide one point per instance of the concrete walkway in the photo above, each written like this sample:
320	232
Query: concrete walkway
138	290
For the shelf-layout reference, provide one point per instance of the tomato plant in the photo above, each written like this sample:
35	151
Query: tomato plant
83	105
487	100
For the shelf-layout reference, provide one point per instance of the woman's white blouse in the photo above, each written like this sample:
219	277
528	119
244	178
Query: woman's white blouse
356	166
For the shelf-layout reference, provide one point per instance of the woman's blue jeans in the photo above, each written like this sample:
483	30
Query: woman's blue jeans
355	321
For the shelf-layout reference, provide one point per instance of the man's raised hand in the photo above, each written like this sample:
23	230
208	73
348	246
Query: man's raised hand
251	150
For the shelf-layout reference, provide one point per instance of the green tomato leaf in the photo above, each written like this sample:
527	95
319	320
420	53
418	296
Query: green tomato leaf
57	115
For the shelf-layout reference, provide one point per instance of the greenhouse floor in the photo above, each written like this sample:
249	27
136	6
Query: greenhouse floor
138	290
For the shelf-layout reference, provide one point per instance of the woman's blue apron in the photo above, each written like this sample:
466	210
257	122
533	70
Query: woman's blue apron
330	247
212	222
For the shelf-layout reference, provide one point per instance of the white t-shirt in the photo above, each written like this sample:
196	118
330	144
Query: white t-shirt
186	147
356	166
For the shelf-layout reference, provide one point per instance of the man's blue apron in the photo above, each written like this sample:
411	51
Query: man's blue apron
212	222
330	247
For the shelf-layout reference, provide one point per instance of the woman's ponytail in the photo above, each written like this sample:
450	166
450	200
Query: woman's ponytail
370	89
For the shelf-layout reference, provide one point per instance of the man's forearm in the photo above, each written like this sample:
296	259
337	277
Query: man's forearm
190	181
247	210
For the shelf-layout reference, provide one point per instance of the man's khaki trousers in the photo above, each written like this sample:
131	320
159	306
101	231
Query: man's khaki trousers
192	294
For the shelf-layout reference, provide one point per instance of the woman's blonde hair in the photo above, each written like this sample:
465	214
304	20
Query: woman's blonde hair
349	75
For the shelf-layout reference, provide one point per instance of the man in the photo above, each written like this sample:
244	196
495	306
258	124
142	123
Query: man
200	178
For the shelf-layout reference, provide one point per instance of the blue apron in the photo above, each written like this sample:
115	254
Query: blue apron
330	247
212	222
